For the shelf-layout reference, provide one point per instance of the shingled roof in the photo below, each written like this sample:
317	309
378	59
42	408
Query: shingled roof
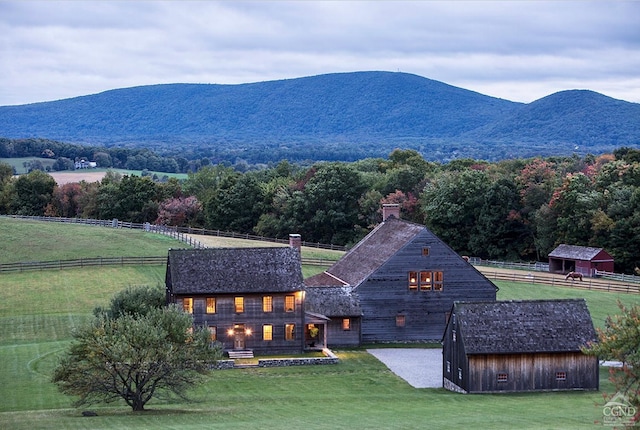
574	252
233	270
332	301
511	327
370	253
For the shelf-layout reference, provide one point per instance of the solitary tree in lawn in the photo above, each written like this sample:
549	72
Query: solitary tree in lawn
135	355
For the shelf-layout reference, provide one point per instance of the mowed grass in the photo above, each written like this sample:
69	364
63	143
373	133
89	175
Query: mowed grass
40	309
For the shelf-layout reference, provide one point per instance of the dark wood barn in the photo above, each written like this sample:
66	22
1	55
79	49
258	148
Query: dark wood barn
581	259
336	312
249	298
512	346
406	280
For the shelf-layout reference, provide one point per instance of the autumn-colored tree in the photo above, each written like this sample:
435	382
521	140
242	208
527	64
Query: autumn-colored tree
180	211
620	341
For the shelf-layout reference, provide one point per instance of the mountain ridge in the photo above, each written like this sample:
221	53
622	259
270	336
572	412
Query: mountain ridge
359	113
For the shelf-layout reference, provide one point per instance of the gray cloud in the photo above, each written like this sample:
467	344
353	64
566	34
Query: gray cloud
519	50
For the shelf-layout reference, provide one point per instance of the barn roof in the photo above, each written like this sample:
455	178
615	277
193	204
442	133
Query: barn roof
370	253
574	252
234	270
511	327
332	301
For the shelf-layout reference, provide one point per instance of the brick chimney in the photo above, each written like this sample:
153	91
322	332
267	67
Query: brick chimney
295	241
391	209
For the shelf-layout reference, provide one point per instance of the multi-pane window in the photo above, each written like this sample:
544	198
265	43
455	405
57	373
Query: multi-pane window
425	252
239	304
213	333
503	377
413	280
267	332
438	281
187	305
267	304
289	303
289	333
346	324
425	281
561	376
211	305
400	320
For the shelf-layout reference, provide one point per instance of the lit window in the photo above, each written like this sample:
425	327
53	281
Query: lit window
289	333
346	324
561	376
213	333
425	281
239	304
399	320
187	305
211	305
267	304
289	303
413	280
438	281
503	377
425	252
267	332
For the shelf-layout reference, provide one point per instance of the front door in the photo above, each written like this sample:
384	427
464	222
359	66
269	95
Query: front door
238	336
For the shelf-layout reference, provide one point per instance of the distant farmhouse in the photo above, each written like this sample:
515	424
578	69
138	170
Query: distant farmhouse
584	260
398	284
84	164
511	346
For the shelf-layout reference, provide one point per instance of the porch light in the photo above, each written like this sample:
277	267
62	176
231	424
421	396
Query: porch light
230	332
248	332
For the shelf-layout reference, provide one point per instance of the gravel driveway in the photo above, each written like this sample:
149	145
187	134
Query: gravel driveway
421	368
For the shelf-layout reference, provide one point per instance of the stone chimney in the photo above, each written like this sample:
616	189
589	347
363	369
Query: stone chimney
295	241
391	209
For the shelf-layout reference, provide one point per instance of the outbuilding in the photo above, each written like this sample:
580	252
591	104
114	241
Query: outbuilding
516	346
585	260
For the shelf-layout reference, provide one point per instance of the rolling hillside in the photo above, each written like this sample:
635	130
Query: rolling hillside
342	116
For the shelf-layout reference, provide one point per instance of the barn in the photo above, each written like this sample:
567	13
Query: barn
406	280
585	260
518	346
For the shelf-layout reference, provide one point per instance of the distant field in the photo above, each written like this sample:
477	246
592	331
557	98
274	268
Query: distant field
88	175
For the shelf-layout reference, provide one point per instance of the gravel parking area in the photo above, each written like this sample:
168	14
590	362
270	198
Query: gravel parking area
421	368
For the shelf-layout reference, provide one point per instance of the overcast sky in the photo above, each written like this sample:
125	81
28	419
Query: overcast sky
516	50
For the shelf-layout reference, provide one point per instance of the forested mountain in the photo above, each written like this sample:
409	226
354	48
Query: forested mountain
342	116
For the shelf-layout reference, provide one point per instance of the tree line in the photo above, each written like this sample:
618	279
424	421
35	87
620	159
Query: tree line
514	210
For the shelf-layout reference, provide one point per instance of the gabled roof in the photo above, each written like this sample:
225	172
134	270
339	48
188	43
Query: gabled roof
234	270
373	251
332	301
530	326
584	253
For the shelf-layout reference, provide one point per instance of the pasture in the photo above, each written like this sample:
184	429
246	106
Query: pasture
39	310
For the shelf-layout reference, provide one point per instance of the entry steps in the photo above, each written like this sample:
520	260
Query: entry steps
240	353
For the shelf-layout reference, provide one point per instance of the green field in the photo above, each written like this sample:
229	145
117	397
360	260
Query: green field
39	310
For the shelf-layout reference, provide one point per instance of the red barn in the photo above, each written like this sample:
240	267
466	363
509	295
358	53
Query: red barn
581	259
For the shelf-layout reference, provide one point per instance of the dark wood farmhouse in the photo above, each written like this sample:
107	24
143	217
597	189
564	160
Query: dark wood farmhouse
336	313
510	346
581	259
406	280
249	298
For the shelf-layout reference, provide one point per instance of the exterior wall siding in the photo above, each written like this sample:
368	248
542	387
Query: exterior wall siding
336	336
386	294
253	318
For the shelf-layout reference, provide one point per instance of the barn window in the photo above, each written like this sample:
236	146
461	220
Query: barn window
448	366
187	305
289	303
503	377
453	335
213	333
438	281
425	281
561	376
346	324
289	333
211	305
425	252
459	373
413	281
267	332
239	304
400	321
267	304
